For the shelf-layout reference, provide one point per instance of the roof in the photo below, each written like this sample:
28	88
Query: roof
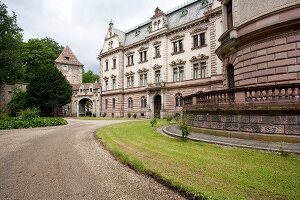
68	57
86	86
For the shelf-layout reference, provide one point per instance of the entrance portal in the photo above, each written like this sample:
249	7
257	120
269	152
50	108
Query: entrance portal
157	106
85	107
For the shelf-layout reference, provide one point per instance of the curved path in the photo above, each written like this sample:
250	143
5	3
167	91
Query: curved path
68	163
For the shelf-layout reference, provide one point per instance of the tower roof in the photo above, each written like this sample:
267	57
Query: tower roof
68	57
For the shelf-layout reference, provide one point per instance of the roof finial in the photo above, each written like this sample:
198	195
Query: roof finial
111	23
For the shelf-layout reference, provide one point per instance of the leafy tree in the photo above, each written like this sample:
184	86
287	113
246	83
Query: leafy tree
48	89
37	53
18	102
11	68
89	77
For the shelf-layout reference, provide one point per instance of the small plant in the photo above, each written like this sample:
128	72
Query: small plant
134	115
94	114
29	113
104	114
184	130
153	122
177	117
129	115
169	118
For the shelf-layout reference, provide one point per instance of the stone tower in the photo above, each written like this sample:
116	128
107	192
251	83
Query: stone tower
69	66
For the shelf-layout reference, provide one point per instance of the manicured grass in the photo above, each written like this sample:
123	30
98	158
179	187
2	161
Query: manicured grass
107	118
213	171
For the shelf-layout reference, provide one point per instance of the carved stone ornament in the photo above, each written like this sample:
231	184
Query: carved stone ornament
157	13
177	62
156	43
129	73
177	37
156	66
143	70
198	30
113	76
142	49
199	57
129	53
105	78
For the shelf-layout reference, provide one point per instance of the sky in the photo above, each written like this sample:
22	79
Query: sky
82	24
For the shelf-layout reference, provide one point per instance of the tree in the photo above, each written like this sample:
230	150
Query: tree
37	53
18	102
89	77
48	89
11	68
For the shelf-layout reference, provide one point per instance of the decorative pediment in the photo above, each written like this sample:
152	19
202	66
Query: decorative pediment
113	76
177	62
177	37
156	43
157	13
129	53
142	49
198	30
156	66
143	70
129	73
199	57
105	78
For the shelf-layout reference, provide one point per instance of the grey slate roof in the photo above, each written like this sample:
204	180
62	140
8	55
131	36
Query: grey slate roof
174	18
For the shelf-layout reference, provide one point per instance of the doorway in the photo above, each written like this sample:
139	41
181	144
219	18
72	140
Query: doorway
157	106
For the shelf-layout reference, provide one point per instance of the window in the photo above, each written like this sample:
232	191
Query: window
196	71
178	46
113	83
143	102
106	65
130	82
106	103
174	74
158	24
230	76
114	63
199	40
81	88
143	80
65	67
157	76
178	100
113	103
181	72
143	56
202	39
106	85
178	73
91	89
130	102
196	41
155	24
229	15
129	60
157	51
203	70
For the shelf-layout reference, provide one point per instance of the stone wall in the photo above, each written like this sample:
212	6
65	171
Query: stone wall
256	123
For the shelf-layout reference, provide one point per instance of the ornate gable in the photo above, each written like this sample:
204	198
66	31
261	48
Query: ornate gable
199	57
177	62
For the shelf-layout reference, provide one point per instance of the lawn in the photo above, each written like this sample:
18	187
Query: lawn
212	171
107	118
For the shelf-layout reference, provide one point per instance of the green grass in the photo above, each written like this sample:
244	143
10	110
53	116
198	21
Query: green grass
107	118
213	171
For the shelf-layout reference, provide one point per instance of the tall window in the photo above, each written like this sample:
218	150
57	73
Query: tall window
174	74
229	15
157	76
181	72
143	56
113	83
178	100
195	70
106	65
157	51
106	103
230	76
178	46
203	70
114	63
113	103
130	102
143	102
199	40
178	73
90	89
106	85
130	60
158	24
130	81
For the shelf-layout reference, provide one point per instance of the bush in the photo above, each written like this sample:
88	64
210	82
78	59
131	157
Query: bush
94	114
134	115
153	122
184	130
169	118
129	115
104	114
29	113
17	103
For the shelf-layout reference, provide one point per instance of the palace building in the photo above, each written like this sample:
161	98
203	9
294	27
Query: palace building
147	70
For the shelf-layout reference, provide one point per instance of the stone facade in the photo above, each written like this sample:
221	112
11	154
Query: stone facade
143	73
260	50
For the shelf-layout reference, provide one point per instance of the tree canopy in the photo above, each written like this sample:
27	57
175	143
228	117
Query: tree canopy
11	68
48	89
90	77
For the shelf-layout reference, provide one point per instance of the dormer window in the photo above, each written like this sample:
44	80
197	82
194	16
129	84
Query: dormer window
67	57
65	68
91	89
81	88
184	12
137	33
158	24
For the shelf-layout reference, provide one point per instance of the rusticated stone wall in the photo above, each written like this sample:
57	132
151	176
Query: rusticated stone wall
255	123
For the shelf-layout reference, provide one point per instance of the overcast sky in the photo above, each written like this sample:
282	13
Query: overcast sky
82	24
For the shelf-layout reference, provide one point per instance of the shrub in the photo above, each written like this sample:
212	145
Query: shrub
153	122
94	114
29	113
184	130
169	118
17	103
104	114
134	115
129	115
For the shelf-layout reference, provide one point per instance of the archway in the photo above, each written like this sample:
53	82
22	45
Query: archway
85	107
230	76
157	106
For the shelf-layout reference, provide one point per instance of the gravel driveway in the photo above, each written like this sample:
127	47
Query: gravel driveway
68	163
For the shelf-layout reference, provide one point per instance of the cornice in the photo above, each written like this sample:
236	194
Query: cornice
130	73
111	52
177	62
143	70
128	53
156	43
156	67
177	37
198	30
199	57
142	49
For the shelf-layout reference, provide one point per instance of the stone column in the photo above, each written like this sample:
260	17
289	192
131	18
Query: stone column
77	108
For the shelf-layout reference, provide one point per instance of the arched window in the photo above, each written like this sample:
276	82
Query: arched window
81	88
155	24
158	24
230	76
178	100
113	103
130	102
143	102
91	88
